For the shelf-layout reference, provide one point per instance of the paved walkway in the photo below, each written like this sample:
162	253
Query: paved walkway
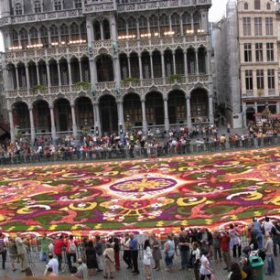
124	274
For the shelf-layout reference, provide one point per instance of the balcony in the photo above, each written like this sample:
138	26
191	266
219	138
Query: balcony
41	17
100	7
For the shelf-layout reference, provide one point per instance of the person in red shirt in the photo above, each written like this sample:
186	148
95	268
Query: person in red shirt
58	249
225	248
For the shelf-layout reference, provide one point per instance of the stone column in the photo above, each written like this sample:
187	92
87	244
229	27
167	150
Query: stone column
244	117
166	117
69	73
185	63
48	75
97	122
174	62
81	71
144	120
12	127
140	67
121	119
210	104
17	78
53	129
163	66
196	62
59	74
101	30
129	67
74	120
27	77
32	128
38	74
189	118
93	72
152	66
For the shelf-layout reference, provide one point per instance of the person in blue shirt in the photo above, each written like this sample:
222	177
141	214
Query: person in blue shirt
133	244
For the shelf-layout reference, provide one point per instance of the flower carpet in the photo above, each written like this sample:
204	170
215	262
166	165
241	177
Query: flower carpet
190	191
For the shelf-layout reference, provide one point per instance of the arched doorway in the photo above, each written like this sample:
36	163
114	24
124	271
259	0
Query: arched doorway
154	108
63	115
41	115
199	105
84	113
132	110
21	117
176	107
250	114
109	114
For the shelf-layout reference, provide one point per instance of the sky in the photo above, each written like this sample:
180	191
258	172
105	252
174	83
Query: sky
216	12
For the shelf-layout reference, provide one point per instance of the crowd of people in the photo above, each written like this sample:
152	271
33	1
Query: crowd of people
198	249
179	140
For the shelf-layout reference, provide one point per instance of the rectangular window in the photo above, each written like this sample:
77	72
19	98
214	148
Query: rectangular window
259	52
247	26
258	26
249	79
247	52
268	26
260	79
78	4
57	5
271	78
269	52
37	7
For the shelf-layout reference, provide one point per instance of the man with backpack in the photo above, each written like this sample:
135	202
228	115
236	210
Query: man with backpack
71	251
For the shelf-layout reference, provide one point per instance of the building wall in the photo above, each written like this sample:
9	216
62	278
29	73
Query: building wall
61	56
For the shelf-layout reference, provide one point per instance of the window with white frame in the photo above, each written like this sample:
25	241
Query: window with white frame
258	26
268	26
247	26
57	4
247	52
260	79
271	79
249	79
18	9
259	52
37	7
269	52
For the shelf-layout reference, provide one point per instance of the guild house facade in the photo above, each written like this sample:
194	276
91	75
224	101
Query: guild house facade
105	66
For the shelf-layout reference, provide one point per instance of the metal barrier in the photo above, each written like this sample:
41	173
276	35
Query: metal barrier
151	152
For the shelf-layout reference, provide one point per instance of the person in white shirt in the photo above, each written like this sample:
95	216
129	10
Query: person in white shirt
267	225
147	258
53	263
205	269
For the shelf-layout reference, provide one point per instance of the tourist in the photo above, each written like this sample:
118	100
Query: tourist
71	251
184	246
12	249
82	270
247	268
268	247
205	269
254	234
225	247
99	252
235	241
275	231
53	263
147	259
91	259
217	246
169	250
258	228
109	261
126	250
235	272
44	244
133	244
195	257
156	251
22	252
267	225
205	239
116	246
59	244
3	250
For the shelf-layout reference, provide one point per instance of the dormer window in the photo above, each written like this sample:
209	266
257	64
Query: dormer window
18	9
268	6
257	4
246	6
78	4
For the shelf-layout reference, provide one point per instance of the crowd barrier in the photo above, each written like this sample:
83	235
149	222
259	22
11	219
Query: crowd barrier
194	147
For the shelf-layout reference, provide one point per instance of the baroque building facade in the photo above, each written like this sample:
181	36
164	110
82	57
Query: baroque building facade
108	65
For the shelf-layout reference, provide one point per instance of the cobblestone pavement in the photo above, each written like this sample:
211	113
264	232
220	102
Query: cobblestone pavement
125	274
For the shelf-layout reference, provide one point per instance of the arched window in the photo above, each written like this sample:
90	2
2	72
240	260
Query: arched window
246	6
143	27
44	36
132	27
176	25
15	38
106	29
33	35
187	23
97	31
18	9
23	38
164	24
196	21
54	34
268	6
121	27
84	31
64	34
154	26
74	28
257	4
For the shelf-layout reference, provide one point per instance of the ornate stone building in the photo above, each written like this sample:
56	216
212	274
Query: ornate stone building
106	65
